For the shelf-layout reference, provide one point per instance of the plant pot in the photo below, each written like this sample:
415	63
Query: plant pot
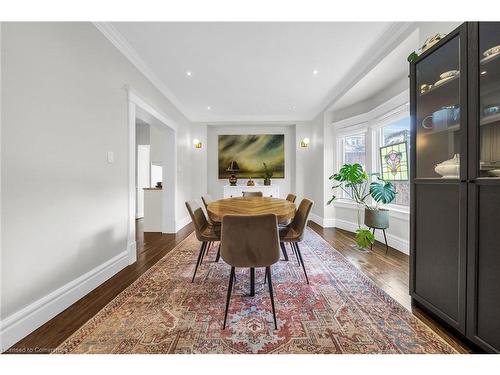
378	218
267	181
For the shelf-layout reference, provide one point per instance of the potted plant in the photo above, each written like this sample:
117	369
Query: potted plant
267	175
357	186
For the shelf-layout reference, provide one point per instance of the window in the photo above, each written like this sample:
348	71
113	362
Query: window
396	133
355	149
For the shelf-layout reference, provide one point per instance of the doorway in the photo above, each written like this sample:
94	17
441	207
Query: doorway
161	160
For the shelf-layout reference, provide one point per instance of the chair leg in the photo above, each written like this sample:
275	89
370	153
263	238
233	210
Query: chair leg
386	246
292	245
207	248
218	254
283	250
373	232
229	289
200	258
271	294
301	260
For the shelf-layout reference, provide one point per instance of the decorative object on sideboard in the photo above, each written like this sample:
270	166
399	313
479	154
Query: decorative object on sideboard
427	44
251	151
267	175
158	185
449	168
250	182
354	181
443	118
197	143
305	142
233	167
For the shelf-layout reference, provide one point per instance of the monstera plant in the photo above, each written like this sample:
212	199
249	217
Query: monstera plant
358	187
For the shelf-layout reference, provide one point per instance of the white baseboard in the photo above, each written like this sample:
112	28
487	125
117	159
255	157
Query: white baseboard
18	325
325	223
393	241
179	224
132	252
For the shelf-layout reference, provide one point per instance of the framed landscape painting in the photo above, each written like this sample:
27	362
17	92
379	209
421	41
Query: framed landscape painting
250	152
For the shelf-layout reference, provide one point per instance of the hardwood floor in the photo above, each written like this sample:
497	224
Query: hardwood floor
389	272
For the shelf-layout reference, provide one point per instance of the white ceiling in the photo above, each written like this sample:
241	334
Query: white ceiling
252	71
391	68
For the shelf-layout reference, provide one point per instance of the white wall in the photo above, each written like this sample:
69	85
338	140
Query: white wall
64	208
215	186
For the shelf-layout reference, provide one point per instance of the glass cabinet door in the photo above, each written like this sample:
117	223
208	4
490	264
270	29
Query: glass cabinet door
489	99
438	113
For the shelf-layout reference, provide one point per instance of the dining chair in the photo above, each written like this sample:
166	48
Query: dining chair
250	242
205	233
207	199
253	194
294	233
291	197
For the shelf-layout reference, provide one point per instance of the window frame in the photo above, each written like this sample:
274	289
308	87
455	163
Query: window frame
372	130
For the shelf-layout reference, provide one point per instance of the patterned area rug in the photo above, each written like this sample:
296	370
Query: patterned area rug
341	311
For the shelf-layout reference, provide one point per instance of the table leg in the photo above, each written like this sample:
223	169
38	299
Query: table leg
252	281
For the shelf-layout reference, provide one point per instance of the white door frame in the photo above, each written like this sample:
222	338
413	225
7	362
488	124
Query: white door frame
135	101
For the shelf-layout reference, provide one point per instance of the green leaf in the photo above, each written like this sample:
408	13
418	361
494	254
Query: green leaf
382	191
364	237
412	56
352	173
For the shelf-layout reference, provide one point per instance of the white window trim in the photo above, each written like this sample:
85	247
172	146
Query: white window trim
371	128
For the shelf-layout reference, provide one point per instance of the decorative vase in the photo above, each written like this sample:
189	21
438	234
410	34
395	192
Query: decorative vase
251	182
378	218
267	181
233	180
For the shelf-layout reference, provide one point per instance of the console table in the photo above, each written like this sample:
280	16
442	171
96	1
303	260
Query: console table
237	191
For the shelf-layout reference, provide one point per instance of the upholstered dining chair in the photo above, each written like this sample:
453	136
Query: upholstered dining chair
207	199
253	194
205	233
250	242
294	233
291	197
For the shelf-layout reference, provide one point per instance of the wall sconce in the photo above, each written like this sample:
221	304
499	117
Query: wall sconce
305	142
197	143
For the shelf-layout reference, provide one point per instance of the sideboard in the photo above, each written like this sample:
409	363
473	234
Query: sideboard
237	191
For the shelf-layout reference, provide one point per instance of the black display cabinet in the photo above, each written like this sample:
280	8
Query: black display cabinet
455	182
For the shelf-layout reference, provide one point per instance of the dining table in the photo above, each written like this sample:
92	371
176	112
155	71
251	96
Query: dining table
283	209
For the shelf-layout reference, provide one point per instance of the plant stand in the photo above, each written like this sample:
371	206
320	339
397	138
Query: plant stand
385	238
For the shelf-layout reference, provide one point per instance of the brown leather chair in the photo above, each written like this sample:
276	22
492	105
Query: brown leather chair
291	197
207	199
253	194
250	241
205	233
294	233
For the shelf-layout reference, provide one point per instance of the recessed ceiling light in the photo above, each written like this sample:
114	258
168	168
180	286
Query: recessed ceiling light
209	108
188	73
315	72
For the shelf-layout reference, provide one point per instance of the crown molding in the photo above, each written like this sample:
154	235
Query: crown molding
117	39
390	39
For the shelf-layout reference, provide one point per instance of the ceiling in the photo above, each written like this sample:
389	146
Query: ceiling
252	71
392	67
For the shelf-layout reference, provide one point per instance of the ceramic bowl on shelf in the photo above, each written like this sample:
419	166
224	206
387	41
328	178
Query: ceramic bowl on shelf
449	168
448	74
491	110
492	51
494	172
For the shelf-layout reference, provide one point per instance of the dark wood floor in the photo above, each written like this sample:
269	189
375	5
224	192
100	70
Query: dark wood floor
389	272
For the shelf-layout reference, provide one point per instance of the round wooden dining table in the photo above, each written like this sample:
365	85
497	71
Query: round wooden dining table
283	209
